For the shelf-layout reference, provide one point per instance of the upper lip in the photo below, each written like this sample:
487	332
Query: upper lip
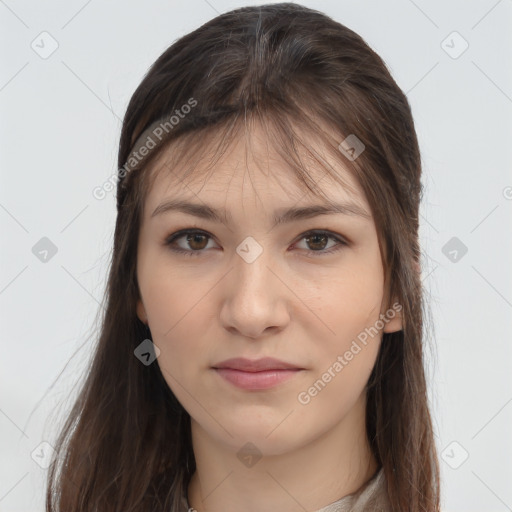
256	365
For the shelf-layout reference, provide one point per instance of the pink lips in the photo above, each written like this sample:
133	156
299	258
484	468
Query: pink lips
256	374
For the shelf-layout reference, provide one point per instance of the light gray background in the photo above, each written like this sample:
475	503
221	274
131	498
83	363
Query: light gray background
60	124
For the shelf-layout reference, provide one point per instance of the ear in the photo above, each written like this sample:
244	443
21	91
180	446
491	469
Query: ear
395	311
393	319
141	312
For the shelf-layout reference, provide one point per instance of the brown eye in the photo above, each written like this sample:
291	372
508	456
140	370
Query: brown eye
317	243
194	242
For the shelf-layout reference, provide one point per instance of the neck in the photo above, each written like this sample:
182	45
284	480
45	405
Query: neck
310	477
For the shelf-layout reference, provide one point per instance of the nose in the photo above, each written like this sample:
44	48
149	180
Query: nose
255	298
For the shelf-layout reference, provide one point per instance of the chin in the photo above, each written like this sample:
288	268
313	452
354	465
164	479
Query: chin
269	436
260	445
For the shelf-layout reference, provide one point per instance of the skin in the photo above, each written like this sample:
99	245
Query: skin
301	308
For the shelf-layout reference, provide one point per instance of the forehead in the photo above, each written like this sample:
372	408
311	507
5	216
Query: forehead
253	160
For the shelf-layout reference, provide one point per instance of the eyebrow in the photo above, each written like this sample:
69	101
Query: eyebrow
281	216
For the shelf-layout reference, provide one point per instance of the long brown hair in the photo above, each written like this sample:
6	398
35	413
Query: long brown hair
126	444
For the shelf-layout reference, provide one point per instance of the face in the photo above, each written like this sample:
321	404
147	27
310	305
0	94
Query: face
307	291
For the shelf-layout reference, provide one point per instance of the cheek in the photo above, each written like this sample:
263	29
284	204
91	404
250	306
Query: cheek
170	297
343	361
177	314
348	302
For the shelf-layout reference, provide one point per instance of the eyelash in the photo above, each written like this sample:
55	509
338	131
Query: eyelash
179	234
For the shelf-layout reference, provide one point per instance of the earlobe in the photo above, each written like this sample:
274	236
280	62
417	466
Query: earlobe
394	314
141	312
393	318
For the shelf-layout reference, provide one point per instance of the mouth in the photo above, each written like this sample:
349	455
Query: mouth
257	374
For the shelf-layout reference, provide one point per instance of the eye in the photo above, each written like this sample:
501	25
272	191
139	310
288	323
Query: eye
319	239
196	241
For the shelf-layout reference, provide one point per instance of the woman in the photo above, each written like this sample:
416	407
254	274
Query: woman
262	342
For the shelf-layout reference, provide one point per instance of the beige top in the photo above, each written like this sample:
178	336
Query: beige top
371	497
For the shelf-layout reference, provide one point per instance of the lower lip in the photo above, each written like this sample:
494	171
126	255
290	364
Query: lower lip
256	380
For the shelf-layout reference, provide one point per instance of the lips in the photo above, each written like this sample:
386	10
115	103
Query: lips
258	374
